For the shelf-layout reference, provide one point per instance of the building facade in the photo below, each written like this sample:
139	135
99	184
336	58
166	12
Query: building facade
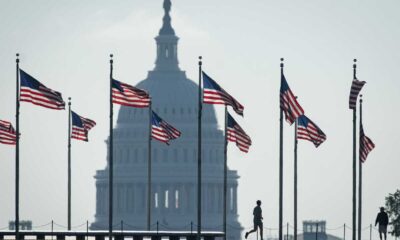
174	166
316	230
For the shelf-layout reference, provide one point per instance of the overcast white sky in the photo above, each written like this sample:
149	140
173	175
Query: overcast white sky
66	44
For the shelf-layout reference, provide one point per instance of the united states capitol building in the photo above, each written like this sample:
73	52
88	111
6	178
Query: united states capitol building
174	167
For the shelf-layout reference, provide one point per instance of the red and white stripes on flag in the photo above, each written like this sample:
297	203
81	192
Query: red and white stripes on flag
81	127
237	135
308	130
366	145
288	102
36	93
215	94
128	95
356	87
163	131
7	133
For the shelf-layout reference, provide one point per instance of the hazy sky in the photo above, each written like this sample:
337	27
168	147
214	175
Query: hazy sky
66	44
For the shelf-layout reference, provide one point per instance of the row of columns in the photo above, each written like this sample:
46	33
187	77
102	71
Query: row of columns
175	198
127	155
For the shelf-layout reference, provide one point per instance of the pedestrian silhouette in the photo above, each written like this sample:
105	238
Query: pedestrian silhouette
383	221
257	220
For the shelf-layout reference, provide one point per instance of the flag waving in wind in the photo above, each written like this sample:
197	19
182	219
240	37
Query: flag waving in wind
288	102
81	127
162	131
366	145
356	87
128	95
237	135
7	133
307	130
34	92
214	94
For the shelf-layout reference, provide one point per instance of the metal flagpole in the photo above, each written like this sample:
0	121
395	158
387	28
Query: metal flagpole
17	153
110	157
287	231
225	167
360	178
69	164
370	231
354	160
149	173
199	156
295	180
281	165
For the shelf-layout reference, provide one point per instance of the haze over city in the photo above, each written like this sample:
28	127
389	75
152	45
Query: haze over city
67	44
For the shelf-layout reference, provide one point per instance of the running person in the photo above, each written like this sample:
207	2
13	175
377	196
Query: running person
257	220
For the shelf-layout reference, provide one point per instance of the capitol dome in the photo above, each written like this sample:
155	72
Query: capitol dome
174	166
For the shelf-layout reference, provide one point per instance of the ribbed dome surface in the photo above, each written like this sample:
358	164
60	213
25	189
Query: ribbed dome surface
174	98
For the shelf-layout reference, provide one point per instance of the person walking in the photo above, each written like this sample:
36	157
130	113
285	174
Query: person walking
257	220
383	221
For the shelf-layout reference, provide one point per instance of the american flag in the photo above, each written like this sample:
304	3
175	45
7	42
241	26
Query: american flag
161	130
307	130
34	92
236	134
214	94
7	133
128	95
81	127
288	102
366	145
356	87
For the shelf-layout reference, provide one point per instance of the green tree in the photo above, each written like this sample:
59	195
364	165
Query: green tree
393	210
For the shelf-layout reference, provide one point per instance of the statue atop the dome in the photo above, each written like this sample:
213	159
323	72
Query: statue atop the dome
167	28
167	5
